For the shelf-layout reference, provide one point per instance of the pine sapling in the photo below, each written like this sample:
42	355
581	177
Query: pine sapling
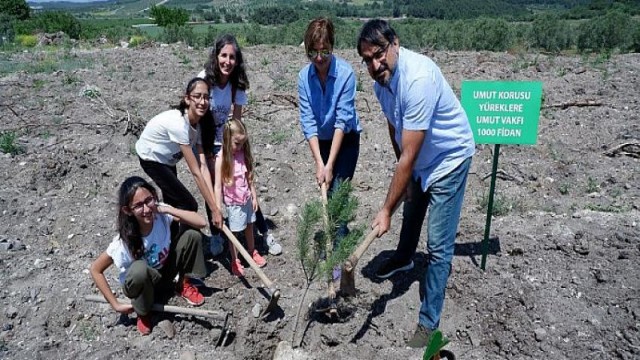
322	241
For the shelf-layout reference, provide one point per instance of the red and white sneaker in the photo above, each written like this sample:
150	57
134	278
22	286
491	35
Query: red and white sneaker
258	259
190	293
144	324
236	268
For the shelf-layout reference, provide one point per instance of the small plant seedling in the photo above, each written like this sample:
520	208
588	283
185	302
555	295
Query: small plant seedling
314	232
278	137
436	342
8	143
564	189
92	93
592	185
38	84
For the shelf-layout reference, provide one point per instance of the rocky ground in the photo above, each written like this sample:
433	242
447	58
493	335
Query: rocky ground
562	273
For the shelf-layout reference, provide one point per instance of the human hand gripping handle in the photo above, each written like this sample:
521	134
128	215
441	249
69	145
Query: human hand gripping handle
123	308
319	173
382	222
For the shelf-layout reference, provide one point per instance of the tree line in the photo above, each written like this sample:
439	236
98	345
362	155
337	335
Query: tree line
613	29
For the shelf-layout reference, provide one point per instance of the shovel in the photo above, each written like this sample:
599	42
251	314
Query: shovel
216	315
333	311
274	293
347	280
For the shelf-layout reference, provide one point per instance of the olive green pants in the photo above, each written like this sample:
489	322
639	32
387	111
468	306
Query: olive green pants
142	283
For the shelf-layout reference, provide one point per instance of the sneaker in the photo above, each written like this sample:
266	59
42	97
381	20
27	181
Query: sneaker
420	337
144	324
274	247
191	294
258	259
236	268
216	245
391	267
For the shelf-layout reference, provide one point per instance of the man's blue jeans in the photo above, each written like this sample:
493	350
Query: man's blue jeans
444	200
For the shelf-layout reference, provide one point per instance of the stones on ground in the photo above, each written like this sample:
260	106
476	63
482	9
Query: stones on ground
215	334
291	211
188	355
284	351
39	264
540	334
14	245
10	312
167	328
581	248
141	342
601	276
257	310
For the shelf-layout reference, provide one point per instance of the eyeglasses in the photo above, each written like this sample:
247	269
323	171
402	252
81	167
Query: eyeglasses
199	97
138	207
312	54
378	55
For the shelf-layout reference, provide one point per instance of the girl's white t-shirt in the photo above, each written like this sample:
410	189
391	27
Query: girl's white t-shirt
161	139
156	247
220	101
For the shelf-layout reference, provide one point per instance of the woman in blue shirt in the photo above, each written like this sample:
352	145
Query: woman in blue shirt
327	88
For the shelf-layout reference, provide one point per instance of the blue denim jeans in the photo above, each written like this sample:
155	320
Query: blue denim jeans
444	200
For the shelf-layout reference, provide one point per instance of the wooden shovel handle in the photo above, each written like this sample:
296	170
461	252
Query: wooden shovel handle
362	248
268	283
166	308
364	245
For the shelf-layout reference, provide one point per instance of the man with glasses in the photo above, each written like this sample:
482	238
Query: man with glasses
433	143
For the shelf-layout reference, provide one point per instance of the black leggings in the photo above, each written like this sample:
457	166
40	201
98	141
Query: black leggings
173	191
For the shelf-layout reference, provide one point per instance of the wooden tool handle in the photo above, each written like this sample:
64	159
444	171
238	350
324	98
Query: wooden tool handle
268	283
364	245
166	308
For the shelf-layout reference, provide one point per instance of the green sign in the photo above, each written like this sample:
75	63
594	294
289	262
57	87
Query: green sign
503	112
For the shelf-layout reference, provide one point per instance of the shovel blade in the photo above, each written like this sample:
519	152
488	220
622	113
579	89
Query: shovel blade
273	303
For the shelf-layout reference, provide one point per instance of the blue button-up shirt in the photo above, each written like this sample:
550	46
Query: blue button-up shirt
419	98
324	111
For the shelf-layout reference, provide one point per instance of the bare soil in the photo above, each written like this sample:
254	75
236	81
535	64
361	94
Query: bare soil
562	275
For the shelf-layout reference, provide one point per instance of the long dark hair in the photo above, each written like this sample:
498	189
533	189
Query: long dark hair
238	77
128	226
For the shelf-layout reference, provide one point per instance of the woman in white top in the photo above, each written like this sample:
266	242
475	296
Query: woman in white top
226	74
172	135
145	256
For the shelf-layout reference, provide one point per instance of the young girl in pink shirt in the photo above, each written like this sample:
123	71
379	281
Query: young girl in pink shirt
235	188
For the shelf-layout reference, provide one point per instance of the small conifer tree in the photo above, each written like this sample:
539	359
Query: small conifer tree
315	231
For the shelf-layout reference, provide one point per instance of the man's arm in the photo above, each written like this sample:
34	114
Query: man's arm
411	144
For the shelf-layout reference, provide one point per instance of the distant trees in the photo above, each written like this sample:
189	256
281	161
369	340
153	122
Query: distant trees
49	22
18	9
550	33
613	30
165	16
274	15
